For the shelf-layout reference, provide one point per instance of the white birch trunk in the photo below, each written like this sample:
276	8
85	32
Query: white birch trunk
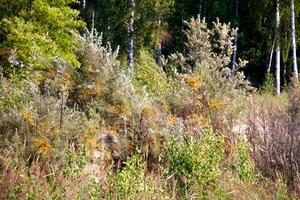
236	8
200	8
234	53
93	24
277	63
233	63
293	37
131	34
271	57
159	45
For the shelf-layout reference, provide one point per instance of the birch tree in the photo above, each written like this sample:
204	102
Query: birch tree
235	38
277	62
271	57
200	8
131	34
159	51
293	41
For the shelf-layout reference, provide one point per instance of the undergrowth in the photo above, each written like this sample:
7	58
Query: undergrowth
104	132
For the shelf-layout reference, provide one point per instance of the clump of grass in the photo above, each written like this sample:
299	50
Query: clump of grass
273	128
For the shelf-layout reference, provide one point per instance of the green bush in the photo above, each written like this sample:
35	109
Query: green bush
149	75
197	161
42	32
269	85
201	166
129	181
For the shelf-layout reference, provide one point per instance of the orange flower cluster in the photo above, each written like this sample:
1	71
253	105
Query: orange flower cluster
27	116
215	105
43	146
172	120
193	82
67	78
89	137
196	118
87	93
109	129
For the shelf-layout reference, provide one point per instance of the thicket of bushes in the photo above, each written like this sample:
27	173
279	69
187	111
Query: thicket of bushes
103	132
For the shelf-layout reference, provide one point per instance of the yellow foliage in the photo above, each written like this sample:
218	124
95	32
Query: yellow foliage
193	82
117	110
202	119
43	146
196	118
215	105
27	116
165	106
111	130
89	137
172	120
67	79
90	143
145	112
87	93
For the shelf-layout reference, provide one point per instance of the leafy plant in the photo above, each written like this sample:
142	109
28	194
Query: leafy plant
268	86
197	161
129	181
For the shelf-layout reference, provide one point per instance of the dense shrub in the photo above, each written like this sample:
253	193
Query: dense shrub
43	31
149	75
206	70
199	164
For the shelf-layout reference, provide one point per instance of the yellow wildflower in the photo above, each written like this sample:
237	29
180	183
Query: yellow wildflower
197	118
192	118
172	120
202	119
193	82
43	146
112	130
215	105
67	78
90	143
88	140
27	116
